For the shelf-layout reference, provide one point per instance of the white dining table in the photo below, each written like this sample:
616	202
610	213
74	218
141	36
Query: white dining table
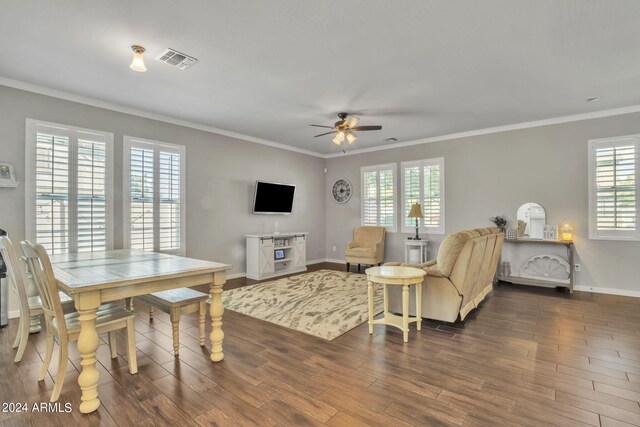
95	278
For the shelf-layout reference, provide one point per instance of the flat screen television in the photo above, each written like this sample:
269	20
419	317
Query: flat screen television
273	198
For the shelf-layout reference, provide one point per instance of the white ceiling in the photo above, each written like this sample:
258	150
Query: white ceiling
267	69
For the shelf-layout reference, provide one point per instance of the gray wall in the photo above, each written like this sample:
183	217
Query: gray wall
494	174
221	174
485	176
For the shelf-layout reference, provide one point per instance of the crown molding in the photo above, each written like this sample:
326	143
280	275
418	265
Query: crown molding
497	129
17	84
67	96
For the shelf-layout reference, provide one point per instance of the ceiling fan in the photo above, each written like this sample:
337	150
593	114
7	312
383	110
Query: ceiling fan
345	129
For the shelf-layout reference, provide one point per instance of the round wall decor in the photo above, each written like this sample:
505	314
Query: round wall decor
342	191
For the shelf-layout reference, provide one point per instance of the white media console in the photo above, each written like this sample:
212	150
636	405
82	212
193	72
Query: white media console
271	255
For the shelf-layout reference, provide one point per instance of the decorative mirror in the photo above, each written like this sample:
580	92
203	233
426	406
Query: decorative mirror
531	219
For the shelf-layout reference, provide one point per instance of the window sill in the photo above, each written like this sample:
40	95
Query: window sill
616	238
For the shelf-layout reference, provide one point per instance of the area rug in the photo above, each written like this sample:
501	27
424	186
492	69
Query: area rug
324	303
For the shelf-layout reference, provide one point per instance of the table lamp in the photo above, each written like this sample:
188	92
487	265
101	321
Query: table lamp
416	212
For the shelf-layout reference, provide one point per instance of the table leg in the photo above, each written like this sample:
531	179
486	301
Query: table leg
371	307
386	299
87	304
419	305
405	312
215	311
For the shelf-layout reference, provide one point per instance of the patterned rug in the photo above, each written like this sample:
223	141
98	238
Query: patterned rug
324	303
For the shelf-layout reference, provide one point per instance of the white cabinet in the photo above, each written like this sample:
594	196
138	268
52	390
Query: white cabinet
271	255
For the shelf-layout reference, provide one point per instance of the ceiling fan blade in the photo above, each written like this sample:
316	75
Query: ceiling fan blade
365	128
322	126
323	134
351	121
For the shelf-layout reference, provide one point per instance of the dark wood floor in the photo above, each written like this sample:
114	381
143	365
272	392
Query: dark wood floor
527	357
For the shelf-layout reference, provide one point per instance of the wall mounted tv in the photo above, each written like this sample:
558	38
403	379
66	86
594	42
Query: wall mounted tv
273	198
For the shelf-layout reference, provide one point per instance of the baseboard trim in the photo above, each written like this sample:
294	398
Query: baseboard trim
335	261
608	291
316	261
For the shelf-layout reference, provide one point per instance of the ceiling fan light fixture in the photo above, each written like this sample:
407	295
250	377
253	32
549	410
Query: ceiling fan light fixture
340	135
351	121
137	64
336	141
351	137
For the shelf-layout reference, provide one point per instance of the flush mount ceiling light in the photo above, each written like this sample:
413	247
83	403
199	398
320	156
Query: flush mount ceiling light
344	129
138	60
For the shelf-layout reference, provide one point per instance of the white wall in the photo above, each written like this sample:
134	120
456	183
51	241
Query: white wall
220	177
494	174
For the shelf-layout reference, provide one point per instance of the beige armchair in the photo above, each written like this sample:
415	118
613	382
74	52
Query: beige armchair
461	276
367	246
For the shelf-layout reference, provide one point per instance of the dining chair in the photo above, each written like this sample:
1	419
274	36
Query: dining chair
66	328
30	306
176	302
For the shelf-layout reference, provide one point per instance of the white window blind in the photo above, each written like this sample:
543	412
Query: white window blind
423	182
379	196
69	185
614	202
154	196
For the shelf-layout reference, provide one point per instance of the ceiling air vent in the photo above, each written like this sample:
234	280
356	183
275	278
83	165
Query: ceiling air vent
177	59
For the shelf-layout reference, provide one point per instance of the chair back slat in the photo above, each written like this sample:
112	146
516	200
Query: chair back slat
15	271
42	272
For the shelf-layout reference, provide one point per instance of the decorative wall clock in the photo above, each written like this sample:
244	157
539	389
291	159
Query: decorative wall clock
342	191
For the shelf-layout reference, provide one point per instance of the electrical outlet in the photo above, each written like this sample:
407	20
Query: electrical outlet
577	267
334	249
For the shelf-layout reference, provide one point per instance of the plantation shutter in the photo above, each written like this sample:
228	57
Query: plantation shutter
423	182
370	198
378	196
68	188
170	215
412	192
155	184
52	190
432	200
92	220
614	179
141	191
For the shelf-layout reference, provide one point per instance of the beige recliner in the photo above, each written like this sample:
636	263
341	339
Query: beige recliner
461	276
367	246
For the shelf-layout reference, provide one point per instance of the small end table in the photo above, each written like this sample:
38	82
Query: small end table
413	246
404	276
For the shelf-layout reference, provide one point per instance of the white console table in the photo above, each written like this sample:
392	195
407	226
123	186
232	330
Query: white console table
261	254
544	280
415	251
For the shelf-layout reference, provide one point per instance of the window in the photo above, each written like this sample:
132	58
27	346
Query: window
423	182
613	188
154	191
379	196
69	206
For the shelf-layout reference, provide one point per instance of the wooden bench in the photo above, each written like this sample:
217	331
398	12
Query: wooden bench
176	302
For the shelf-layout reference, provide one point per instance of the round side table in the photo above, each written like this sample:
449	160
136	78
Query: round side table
401	276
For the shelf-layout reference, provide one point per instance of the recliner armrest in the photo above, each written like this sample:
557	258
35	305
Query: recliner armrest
434	271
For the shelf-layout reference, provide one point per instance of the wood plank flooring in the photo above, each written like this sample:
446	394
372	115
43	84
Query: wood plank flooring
528	357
